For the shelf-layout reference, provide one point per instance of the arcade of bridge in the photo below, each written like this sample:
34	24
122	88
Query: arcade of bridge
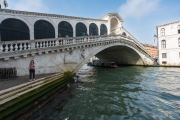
21	25
15	29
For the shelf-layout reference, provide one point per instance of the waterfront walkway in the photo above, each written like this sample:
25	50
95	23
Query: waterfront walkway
12	82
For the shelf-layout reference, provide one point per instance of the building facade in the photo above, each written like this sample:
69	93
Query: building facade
169	43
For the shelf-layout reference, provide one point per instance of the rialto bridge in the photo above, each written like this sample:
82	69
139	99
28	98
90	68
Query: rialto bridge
29	35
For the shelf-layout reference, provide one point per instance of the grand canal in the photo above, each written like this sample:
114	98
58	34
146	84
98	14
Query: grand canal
135	93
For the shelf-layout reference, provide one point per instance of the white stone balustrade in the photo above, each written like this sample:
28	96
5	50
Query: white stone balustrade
14	46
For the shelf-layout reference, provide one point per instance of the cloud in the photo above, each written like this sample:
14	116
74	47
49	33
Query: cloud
138	8
31	5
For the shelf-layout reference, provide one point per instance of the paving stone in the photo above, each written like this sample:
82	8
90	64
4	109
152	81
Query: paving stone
12	82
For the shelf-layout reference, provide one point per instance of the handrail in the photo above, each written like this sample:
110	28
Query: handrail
21	45
115	29
136	41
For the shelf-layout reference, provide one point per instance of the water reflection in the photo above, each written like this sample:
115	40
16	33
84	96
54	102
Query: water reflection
125	93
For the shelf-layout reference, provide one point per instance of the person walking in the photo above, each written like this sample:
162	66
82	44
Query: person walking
31	70
83	34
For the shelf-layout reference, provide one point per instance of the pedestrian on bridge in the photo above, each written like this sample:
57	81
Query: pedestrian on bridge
83	34
59	35
31	70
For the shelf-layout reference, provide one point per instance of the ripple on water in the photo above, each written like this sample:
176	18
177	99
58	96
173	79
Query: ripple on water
145	93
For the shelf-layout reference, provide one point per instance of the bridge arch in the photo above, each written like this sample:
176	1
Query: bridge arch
103	29
65	29
16	17
103	50
80	29
93	29
14	29
43	29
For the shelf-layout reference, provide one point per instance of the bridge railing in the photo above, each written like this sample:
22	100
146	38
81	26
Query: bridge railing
13	46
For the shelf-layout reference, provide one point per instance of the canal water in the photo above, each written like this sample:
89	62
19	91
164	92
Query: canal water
125	93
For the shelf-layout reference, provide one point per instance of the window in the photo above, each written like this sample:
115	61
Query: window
164	55
124	33
164	62
163	44
179	42
162	32
178	29
5	3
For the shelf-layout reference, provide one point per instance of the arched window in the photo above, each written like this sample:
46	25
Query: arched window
124	33
14	29
178	29
80	29
114	26
93	29
103	29
43	29
163	44
179	42
65	29
162	32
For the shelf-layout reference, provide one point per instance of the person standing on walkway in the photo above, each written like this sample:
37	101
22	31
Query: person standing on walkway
31	70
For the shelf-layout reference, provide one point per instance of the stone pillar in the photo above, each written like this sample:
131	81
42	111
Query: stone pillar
99	30
109	26
56	32
74	31
73	24
32	33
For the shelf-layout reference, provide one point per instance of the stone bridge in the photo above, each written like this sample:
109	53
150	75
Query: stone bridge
71	53
29	35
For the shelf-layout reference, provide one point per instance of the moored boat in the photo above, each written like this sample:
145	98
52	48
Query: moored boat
103	64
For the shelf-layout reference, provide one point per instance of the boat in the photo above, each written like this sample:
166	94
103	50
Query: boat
111	64
103	64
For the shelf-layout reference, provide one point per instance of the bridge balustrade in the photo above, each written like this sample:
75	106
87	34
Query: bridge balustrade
13	46
80	40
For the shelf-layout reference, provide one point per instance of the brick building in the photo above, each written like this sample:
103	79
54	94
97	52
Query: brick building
151	49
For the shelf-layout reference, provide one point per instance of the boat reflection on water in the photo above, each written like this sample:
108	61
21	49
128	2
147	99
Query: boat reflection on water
102	64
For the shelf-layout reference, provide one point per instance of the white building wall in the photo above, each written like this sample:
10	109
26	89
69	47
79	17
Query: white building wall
172	49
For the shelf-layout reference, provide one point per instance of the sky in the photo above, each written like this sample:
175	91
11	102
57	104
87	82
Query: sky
140	16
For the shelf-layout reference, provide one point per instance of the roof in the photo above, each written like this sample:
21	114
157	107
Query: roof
45	14
178	21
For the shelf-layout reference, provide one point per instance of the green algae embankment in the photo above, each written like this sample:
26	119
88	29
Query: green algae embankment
15	104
